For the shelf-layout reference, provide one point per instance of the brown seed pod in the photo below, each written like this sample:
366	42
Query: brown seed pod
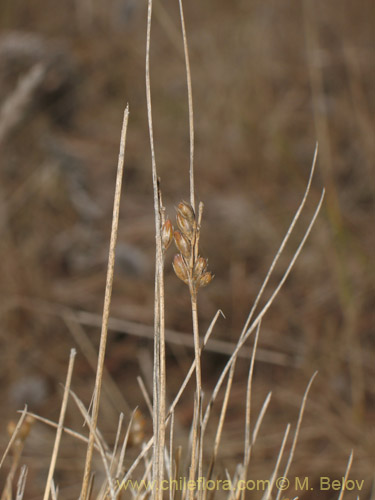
199	267
180	269
166	234
187	211
182	244
137	430
204	280
185	225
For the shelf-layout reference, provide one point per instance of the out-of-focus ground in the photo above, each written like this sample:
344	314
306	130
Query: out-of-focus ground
269	79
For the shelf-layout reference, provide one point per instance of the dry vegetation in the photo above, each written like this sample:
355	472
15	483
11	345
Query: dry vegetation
269	79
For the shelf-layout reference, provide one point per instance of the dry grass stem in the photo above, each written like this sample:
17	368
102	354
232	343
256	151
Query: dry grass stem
159	387
117	439
106	309
267	494
135	464
21	483
259	420
190	104
121	458
192	367
171	462
60	425
145	394
114	399
69	432
283	243
348	467
258	319
14	434
247	445
298	426
102	447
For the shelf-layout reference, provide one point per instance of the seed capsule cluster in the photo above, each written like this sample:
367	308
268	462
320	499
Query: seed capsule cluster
188	265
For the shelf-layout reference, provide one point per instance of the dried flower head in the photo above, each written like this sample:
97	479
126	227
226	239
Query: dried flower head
204	280
180	268
186	211
182	244
200	267
185	226
188	266
166	234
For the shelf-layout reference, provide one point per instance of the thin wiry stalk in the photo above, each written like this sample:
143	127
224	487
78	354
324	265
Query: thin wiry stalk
233	364
283	243
146	397
59	431
118	433
289	268
106	308
104	490
260	316
145	478
124	445
159	388
54	491
348	467
21	483
14	434
196	432
190	104
114	397
194	444
231	493
267	494
68	431
7	491
247	448
223	411
195	448
90	486
135	464
192	367
299	421
98	441
200	448
177	397
259	421
171	464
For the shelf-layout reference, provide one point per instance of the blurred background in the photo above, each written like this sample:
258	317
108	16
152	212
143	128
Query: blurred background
269	80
